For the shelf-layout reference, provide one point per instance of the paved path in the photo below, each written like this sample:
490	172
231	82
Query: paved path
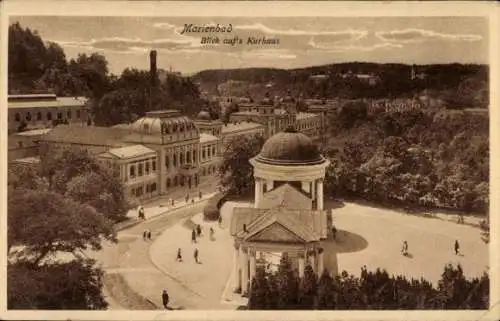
128	266
374	238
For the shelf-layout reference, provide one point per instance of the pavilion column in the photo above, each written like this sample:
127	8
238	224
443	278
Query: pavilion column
321	265
252	264
270	185
236	263
301	266
320	195
258	192
313	190
244	271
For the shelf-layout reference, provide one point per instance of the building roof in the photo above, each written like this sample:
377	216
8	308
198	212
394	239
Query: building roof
34	132
204	115
302	115
28	160
288	196
289	148
292	225
130	151
86	135
205	138
28	101
241	126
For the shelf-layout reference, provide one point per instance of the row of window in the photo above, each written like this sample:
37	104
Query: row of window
39	116
208	171
181	180
143	168
139	191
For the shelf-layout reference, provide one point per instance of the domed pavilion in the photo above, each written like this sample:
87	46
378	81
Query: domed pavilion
288	215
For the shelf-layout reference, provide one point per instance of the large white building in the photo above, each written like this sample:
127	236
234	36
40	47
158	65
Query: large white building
160	153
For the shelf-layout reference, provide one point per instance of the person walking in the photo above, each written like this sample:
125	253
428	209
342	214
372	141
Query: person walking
198	230
200	195
404	249
220	220
334	232
145	235
179	255
196	253
193	236
165	299
457	247
212	233
149	235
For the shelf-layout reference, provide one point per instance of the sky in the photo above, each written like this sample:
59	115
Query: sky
301	41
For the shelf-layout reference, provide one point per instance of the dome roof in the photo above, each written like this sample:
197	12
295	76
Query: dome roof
162	123
204	115
267	100
290	148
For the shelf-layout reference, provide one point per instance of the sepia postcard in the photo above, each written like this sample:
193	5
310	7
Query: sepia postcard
249	160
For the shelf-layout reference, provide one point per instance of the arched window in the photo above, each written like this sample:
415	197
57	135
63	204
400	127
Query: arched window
49	116
69	114
174	159
175	181
188	157
39	116
59	115
28	116
194	156
168	182
18	117
147	168
167	161
181	128
203	153
153	165
78	114
181	158
140	169
213	150
132	171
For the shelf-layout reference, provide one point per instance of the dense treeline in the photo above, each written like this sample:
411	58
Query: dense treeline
432	159
461	86
372	290
35	66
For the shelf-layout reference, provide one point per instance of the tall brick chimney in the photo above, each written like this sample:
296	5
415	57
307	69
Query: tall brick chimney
152	68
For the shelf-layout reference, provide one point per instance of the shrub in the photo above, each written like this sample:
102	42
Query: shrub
211	210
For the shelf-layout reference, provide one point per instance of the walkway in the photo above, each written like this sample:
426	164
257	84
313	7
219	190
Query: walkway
131	279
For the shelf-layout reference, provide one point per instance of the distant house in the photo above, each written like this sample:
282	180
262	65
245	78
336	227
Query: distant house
37	111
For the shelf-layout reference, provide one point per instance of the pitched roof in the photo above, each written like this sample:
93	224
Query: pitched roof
288	196
308	225
130	151
229	128
86	135
204	137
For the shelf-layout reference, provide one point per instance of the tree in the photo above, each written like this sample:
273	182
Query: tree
75	173
259	291
74	285
236	172
60	225
308	289
325	290
288	285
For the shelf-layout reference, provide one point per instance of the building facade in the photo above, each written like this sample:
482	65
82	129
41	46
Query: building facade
160	153
37	111
277	116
